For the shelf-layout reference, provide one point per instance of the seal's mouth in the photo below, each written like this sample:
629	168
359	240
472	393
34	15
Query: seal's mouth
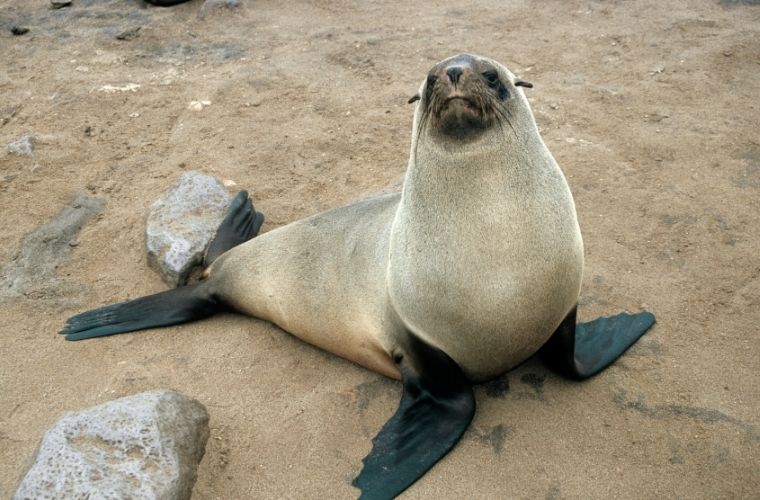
461	116
462	121
463	101
463	97
459	97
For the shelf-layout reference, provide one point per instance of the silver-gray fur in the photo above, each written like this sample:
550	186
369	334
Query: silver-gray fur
480	255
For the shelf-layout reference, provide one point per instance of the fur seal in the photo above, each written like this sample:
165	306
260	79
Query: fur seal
474	267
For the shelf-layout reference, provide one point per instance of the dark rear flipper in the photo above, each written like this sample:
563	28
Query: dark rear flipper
580	351
171	307
241	223
436	408
180	305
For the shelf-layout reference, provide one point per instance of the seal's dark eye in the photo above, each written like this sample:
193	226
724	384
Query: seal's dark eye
492	77
431	80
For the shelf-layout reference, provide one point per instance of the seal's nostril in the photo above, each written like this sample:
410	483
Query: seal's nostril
454	73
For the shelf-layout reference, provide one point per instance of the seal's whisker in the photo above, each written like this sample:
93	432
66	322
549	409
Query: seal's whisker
506	115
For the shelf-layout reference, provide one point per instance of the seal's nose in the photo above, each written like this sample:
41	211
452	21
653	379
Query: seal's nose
454	73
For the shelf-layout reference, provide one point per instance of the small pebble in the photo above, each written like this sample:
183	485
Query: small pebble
59	4
110	89
198	105
23	146
19	30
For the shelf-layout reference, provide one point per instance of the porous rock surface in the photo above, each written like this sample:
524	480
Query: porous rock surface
181	224
145	446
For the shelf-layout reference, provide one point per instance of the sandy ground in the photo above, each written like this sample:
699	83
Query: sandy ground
650	107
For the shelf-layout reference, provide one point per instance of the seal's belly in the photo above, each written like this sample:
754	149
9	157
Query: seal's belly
490	313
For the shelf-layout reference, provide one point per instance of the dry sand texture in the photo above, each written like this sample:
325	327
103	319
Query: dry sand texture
650	107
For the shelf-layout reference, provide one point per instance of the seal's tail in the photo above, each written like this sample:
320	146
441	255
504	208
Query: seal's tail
179	305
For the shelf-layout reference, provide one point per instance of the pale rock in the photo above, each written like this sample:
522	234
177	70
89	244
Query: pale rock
145	446
181	224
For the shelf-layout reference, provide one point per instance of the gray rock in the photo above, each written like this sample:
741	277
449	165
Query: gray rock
31	271
23	146
210	6
145	446
181	224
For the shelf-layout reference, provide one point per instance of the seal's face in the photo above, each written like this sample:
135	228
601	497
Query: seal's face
466	95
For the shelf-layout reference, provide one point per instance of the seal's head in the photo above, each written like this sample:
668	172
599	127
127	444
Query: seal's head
464	96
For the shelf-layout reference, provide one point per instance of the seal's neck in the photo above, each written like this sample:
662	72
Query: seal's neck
503	165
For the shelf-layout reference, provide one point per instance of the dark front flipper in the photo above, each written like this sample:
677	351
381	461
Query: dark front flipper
436	407
241	223
171	307
580	351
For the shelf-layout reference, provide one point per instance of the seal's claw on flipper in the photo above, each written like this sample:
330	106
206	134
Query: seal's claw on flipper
436	407
582	350
241	223
258	220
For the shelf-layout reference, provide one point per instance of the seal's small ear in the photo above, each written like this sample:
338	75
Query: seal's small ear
415	97
523	83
